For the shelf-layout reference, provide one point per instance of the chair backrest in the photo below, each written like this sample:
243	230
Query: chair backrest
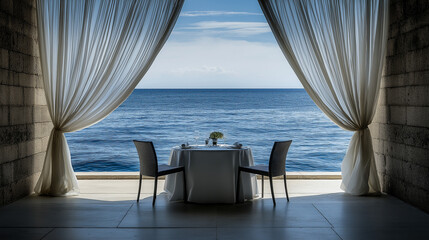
277	164
147	156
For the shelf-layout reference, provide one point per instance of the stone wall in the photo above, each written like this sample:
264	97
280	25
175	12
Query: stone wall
401	125
24	119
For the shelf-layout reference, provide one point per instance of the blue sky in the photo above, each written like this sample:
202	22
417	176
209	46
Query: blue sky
221	44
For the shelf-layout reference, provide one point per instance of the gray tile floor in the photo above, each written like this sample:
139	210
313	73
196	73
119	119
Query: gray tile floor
106	209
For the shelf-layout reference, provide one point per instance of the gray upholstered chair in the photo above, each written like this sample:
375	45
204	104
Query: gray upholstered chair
276	167
149	167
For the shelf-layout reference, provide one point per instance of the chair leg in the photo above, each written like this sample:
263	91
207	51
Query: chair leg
154	191
140	187
272	190
287	195
262	176
185	196
237	190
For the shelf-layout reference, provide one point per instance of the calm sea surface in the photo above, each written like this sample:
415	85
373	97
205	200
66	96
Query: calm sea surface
256	118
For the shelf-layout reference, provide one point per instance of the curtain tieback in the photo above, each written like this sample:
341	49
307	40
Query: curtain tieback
57	129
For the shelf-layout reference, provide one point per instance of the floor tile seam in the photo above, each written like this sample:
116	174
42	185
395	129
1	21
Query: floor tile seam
125	215
46	234
336	233
323	215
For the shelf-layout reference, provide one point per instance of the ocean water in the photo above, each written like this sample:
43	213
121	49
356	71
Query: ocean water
253	117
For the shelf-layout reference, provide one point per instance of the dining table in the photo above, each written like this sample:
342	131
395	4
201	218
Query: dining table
211	174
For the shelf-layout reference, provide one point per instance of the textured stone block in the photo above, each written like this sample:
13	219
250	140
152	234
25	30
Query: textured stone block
400	80
398	114
417	60
4	95
396	12
421	78
31	32
15	134
26	148
39	145
29	96
395	168
417	155
16	61
21	115
20	43
41	114
418	116
27	80
394	30
417	175
28	15
418	96
31	64
6	173
4	77
4	115
395	64
40	98
42	129
4	58
40	83
414	21
5	38
23	168
16	96
392	133
417	39
395	150
8	153
397	96
415	136
44	141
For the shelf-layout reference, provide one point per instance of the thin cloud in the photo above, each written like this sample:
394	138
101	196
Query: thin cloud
215	13
229	28
200	69
227	25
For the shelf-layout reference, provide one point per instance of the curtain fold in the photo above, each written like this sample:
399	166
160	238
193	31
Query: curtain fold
93	53
337	50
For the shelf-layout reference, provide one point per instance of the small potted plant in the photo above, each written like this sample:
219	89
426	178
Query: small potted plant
215	136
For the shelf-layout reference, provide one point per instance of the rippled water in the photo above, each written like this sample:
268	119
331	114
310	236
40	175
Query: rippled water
254	117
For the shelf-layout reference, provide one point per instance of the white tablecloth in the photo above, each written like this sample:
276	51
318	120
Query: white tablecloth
211	174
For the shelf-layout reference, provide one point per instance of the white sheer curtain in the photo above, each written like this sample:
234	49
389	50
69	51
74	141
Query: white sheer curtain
337	50
93	53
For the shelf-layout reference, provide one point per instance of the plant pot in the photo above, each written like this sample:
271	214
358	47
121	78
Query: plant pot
214	140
